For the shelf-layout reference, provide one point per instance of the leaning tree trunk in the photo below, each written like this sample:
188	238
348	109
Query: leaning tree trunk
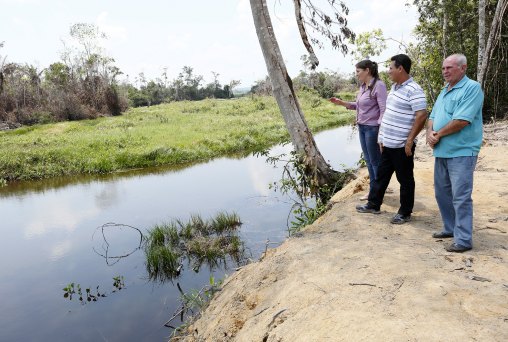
301	137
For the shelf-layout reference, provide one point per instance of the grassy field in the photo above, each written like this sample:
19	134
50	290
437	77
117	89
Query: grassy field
168	134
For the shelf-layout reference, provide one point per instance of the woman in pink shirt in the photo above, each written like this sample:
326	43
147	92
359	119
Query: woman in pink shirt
370	105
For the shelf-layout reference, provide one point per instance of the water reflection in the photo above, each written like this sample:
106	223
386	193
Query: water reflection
18	188
49	227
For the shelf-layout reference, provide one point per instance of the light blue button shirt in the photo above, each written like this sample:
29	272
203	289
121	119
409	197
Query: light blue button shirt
463	102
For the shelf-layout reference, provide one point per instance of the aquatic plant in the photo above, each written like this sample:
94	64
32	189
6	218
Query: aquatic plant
74	291
191	304
199	241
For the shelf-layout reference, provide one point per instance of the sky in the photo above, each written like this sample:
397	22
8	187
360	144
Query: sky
208	35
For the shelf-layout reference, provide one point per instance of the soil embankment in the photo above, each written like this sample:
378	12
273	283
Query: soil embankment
356	277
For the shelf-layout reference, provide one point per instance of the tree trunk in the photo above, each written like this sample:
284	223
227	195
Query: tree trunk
495	30
481	38
301	137
445	28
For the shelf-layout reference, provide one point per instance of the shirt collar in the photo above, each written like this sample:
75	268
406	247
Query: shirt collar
409	80
364	85
459	84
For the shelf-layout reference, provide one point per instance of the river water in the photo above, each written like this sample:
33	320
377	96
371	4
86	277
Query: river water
51	237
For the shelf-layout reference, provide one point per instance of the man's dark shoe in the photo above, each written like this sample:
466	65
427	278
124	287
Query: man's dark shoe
442	235
457	248
400	219
366	208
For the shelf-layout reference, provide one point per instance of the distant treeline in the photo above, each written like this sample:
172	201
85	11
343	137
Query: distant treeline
325	83
186	86
84	84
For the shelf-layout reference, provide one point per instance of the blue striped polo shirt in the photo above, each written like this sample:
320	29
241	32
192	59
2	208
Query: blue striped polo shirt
403	101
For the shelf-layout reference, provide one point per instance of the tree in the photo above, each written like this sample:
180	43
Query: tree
494	37
369	44
471	27
2	63
233	84
303	141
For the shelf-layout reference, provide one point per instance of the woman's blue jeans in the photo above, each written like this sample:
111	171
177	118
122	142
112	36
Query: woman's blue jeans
370	149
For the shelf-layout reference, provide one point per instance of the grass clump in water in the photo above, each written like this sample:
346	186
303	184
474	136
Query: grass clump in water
199	241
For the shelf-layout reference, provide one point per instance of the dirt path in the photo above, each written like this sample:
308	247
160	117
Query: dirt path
356	277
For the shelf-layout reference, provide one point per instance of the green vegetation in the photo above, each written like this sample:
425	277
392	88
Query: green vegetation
191	305
168	134
310	201
74	291
199	241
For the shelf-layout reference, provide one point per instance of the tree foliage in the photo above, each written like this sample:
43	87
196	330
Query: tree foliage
446	27
83	84
369	44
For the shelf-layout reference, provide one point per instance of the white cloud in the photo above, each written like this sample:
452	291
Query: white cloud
179	41
20	22
19	2
113	32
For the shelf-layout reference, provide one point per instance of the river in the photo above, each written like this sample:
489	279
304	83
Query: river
51	237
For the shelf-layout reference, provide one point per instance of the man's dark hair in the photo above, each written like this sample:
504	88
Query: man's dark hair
403	60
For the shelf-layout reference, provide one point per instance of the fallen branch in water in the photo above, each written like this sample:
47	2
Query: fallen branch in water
118	257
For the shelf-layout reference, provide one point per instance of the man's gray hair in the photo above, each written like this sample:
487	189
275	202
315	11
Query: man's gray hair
460	58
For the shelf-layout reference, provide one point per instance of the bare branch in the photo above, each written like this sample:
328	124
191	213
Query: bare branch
314	62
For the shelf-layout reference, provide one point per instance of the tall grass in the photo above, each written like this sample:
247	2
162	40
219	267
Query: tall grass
167	134
199	241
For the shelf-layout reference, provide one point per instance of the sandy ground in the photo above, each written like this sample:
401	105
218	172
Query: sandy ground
356	277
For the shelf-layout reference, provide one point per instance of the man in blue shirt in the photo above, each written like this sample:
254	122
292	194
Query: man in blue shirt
455	133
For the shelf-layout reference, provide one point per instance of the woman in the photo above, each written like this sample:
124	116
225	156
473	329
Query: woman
370	106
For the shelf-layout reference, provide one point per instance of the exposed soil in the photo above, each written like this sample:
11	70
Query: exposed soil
356	277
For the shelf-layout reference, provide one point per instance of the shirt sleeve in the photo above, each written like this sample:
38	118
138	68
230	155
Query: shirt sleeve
432	114
470	104
381	96
436	105
418	100
351	105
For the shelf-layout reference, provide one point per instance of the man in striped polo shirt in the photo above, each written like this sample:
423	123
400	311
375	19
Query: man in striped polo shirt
404	118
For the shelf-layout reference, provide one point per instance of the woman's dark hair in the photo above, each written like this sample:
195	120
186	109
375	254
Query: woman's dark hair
372	66
403	60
